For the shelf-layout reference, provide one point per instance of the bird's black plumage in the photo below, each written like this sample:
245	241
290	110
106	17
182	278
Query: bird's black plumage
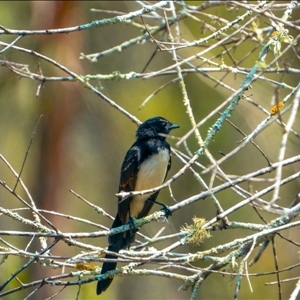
145	166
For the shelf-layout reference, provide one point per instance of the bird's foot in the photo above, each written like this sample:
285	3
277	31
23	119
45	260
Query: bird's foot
166	210
132	225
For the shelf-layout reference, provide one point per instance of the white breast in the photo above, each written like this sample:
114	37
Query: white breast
151	174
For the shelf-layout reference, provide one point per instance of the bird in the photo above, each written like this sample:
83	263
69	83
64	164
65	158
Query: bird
145	166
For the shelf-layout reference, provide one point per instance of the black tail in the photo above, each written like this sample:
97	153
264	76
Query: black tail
107	266
117	242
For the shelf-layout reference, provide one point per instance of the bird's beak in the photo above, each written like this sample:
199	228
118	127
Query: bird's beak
174	126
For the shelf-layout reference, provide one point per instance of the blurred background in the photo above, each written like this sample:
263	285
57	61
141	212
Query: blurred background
81	140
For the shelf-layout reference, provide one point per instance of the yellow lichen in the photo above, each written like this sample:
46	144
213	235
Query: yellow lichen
275	109
196	233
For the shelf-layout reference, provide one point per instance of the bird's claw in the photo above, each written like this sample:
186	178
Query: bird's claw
167	210
131	224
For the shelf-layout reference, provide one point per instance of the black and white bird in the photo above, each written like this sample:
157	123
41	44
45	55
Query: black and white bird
145	166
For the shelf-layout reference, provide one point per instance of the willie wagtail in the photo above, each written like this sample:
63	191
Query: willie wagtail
145	166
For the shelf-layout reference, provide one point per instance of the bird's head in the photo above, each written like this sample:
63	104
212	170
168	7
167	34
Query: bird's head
155	127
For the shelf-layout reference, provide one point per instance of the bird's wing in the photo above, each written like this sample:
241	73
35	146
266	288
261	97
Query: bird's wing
128	178
170	162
